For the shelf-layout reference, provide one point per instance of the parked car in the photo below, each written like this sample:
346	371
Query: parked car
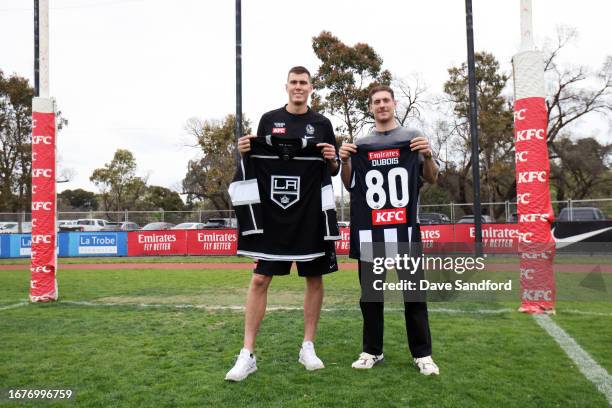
512	218
581	214
221	223
89	224
433	218
469	219
13	228
156	226
121	226
188	225
69	225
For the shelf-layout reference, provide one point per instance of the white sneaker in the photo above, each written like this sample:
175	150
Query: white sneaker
245	364
367	360
426	366
309	358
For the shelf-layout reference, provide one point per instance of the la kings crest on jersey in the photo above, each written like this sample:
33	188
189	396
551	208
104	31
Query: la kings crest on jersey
285	190
385	183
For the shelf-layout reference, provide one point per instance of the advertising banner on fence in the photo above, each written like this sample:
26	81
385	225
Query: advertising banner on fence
344	243
20	245
212	242
143	243
5	246
97	244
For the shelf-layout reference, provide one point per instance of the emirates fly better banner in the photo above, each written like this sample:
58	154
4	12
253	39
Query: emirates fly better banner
43	286
535	214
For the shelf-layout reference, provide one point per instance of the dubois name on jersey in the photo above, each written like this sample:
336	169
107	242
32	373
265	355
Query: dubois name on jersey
384	190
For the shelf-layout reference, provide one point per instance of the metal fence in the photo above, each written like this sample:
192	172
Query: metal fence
499	211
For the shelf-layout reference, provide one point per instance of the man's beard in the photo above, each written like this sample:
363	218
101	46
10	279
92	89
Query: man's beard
387	120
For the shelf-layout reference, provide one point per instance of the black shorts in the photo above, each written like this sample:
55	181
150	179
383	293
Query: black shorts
317	267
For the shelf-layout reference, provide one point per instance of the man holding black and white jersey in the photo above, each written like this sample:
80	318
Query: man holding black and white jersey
294	121
384	172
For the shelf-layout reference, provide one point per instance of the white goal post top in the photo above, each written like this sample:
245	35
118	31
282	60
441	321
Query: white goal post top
43	50
526	26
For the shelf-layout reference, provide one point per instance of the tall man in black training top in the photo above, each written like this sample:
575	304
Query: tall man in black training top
295	119
385	141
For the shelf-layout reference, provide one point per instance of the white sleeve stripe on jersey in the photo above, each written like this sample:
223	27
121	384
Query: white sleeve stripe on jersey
253	219
309	158
332	238
327	199
253	231
244	192
326	223
242	169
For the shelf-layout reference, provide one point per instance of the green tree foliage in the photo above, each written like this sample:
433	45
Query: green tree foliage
208	177
495	133
77	199
15	138
583	170
120	187
156	197
343	80
16	143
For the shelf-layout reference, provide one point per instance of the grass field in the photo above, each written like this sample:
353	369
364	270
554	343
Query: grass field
161	338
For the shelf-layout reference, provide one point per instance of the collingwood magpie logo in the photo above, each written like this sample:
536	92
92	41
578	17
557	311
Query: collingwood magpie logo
310	129
285	190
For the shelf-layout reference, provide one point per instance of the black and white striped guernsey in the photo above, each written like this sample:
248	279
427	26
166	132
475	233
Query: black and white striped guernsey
385	183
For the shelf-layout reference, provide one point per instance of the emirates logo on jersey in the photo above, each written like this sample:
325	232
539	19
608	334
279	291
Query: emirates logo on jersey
384	157
285	190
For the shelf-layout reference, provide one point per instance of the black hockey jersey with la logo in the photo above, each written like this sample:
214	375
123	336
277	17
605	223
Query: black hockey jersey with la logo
284	201
385	183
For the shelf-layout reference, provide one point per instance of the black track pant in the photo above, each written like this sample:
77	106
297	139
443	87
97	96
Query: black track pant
417	327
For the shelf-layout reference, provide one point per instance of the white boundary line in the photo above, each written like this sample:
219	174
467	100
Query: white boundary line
585	363
272	308
239	308
13	306
586	312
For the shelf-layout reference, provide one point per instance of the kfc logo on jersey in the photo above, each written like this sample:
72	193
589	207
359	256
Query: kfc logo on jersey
390	216
285	190
279	131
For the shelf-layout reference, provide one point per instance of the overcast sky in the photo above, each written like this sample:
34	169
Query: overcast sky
129	73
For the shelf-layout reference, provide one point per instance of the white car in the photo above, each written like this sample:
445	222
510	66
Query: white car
13	228
188	225
92	224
